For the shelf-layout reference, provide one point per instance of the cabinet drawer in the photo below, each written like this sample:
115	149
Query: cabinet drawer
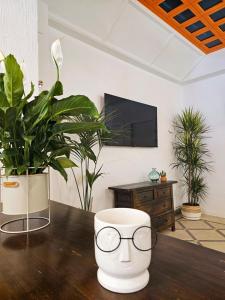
123	200
163	221
160	206
143	199
163	193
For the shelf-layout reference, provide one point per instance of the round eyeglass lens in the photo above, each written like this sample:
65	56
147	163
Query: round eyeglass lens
108	239
142	238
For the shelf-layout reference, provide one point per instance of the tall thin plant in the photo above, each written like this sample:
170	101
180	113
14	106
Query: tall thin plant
192	153
87	149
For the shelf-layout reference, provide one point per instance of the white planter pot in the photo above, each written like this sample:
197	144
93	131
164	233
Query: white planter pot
191	212
17	189
124	268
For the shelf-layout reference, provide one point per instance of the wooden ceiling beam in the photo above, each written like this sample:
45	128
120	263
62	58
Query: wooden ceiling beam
199	15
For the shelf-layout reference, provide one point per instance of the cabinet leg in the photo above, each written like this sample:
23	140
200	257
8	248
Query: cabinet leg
173	227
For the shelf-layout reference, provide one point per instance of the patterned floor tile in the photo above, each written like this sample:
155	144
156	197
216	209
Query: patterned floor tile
207	235
223	232
178	225
208	232
177	217
213	219
219	246
179	234
217	225
195	224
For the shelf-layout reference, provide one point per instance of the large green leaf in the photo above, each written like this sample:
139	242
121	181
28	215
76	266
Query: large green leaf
28	140
74	106
39	111
43	98
56	90
61	151
13	80
10	118
2	82
41	116
3	100
66	162
2	118
28	108
7	158
24	101
39	159
76	127
57	166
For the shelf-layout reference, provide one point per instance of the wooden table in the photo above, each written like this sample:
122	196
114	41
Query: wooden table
58	263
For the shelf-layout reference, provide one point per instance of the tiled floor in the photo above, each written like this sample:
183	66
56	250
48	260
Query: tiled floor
208	232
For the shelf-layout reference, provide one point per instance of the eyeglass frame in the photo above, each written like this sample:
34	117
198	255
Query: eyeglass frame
125	238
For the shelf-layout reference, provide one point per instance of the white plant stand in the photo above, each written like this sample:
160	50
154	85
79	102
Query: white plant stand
28	218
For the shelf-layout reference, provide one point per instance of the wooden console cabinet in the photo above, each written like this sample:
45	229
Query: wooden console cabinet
154	198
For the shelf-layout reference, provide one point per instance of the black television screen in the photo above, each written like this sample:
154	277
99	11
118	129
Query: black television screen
134	123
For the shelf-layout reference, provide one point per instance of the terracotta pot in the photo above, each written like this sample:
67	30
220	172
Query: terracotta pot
163	179
191	212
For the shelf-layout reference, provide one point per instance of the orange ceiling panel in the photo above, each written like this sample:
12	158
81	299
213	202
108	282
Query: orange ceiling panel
202	22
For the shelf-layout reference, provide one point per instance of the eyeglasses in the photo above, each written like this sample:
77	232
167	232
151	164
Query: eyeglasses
108	239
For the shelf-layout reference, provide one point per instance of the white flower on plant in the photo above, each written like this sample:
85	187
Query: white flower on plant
2	65
57	56
2	57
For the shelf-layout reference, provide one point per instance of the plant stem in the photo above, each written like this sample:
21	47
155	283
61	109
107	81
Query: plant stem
78	190
82	177
97	157
86	186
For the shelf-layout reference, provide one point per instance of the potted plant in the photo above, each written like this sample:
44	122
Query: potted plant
86	153
191	154
36	134
163	177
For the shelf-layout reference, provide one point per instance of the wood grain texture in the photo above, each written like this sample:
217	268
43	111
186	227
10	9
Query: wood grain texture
58	263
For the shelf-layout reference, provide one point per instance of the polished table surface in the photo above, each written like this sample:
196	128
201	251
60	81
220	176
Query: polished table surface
58	263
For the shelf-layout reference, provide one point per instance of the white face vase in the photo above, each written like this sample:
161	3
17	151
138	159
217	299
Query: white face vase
123	249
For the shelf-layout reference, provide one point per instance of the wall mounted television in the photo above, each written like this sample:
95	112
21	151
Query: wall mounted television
134	123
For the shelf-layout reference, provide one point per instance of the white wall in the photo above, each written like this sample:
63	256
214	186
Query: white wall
91	72
43	47
208	97
18	34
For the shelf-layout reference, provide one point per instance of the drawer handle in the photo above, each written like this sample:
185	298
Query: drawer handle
11	184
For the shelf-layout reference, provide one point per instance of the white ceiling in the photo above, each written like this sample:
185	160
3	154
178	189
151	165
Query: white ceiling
127	30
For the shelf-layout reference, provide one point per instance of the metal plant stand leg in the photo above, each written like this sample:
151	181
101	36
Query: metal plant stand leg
26	220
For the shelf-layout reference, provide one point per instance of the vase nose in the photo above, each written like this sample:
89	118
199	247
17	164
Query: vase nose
125	251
